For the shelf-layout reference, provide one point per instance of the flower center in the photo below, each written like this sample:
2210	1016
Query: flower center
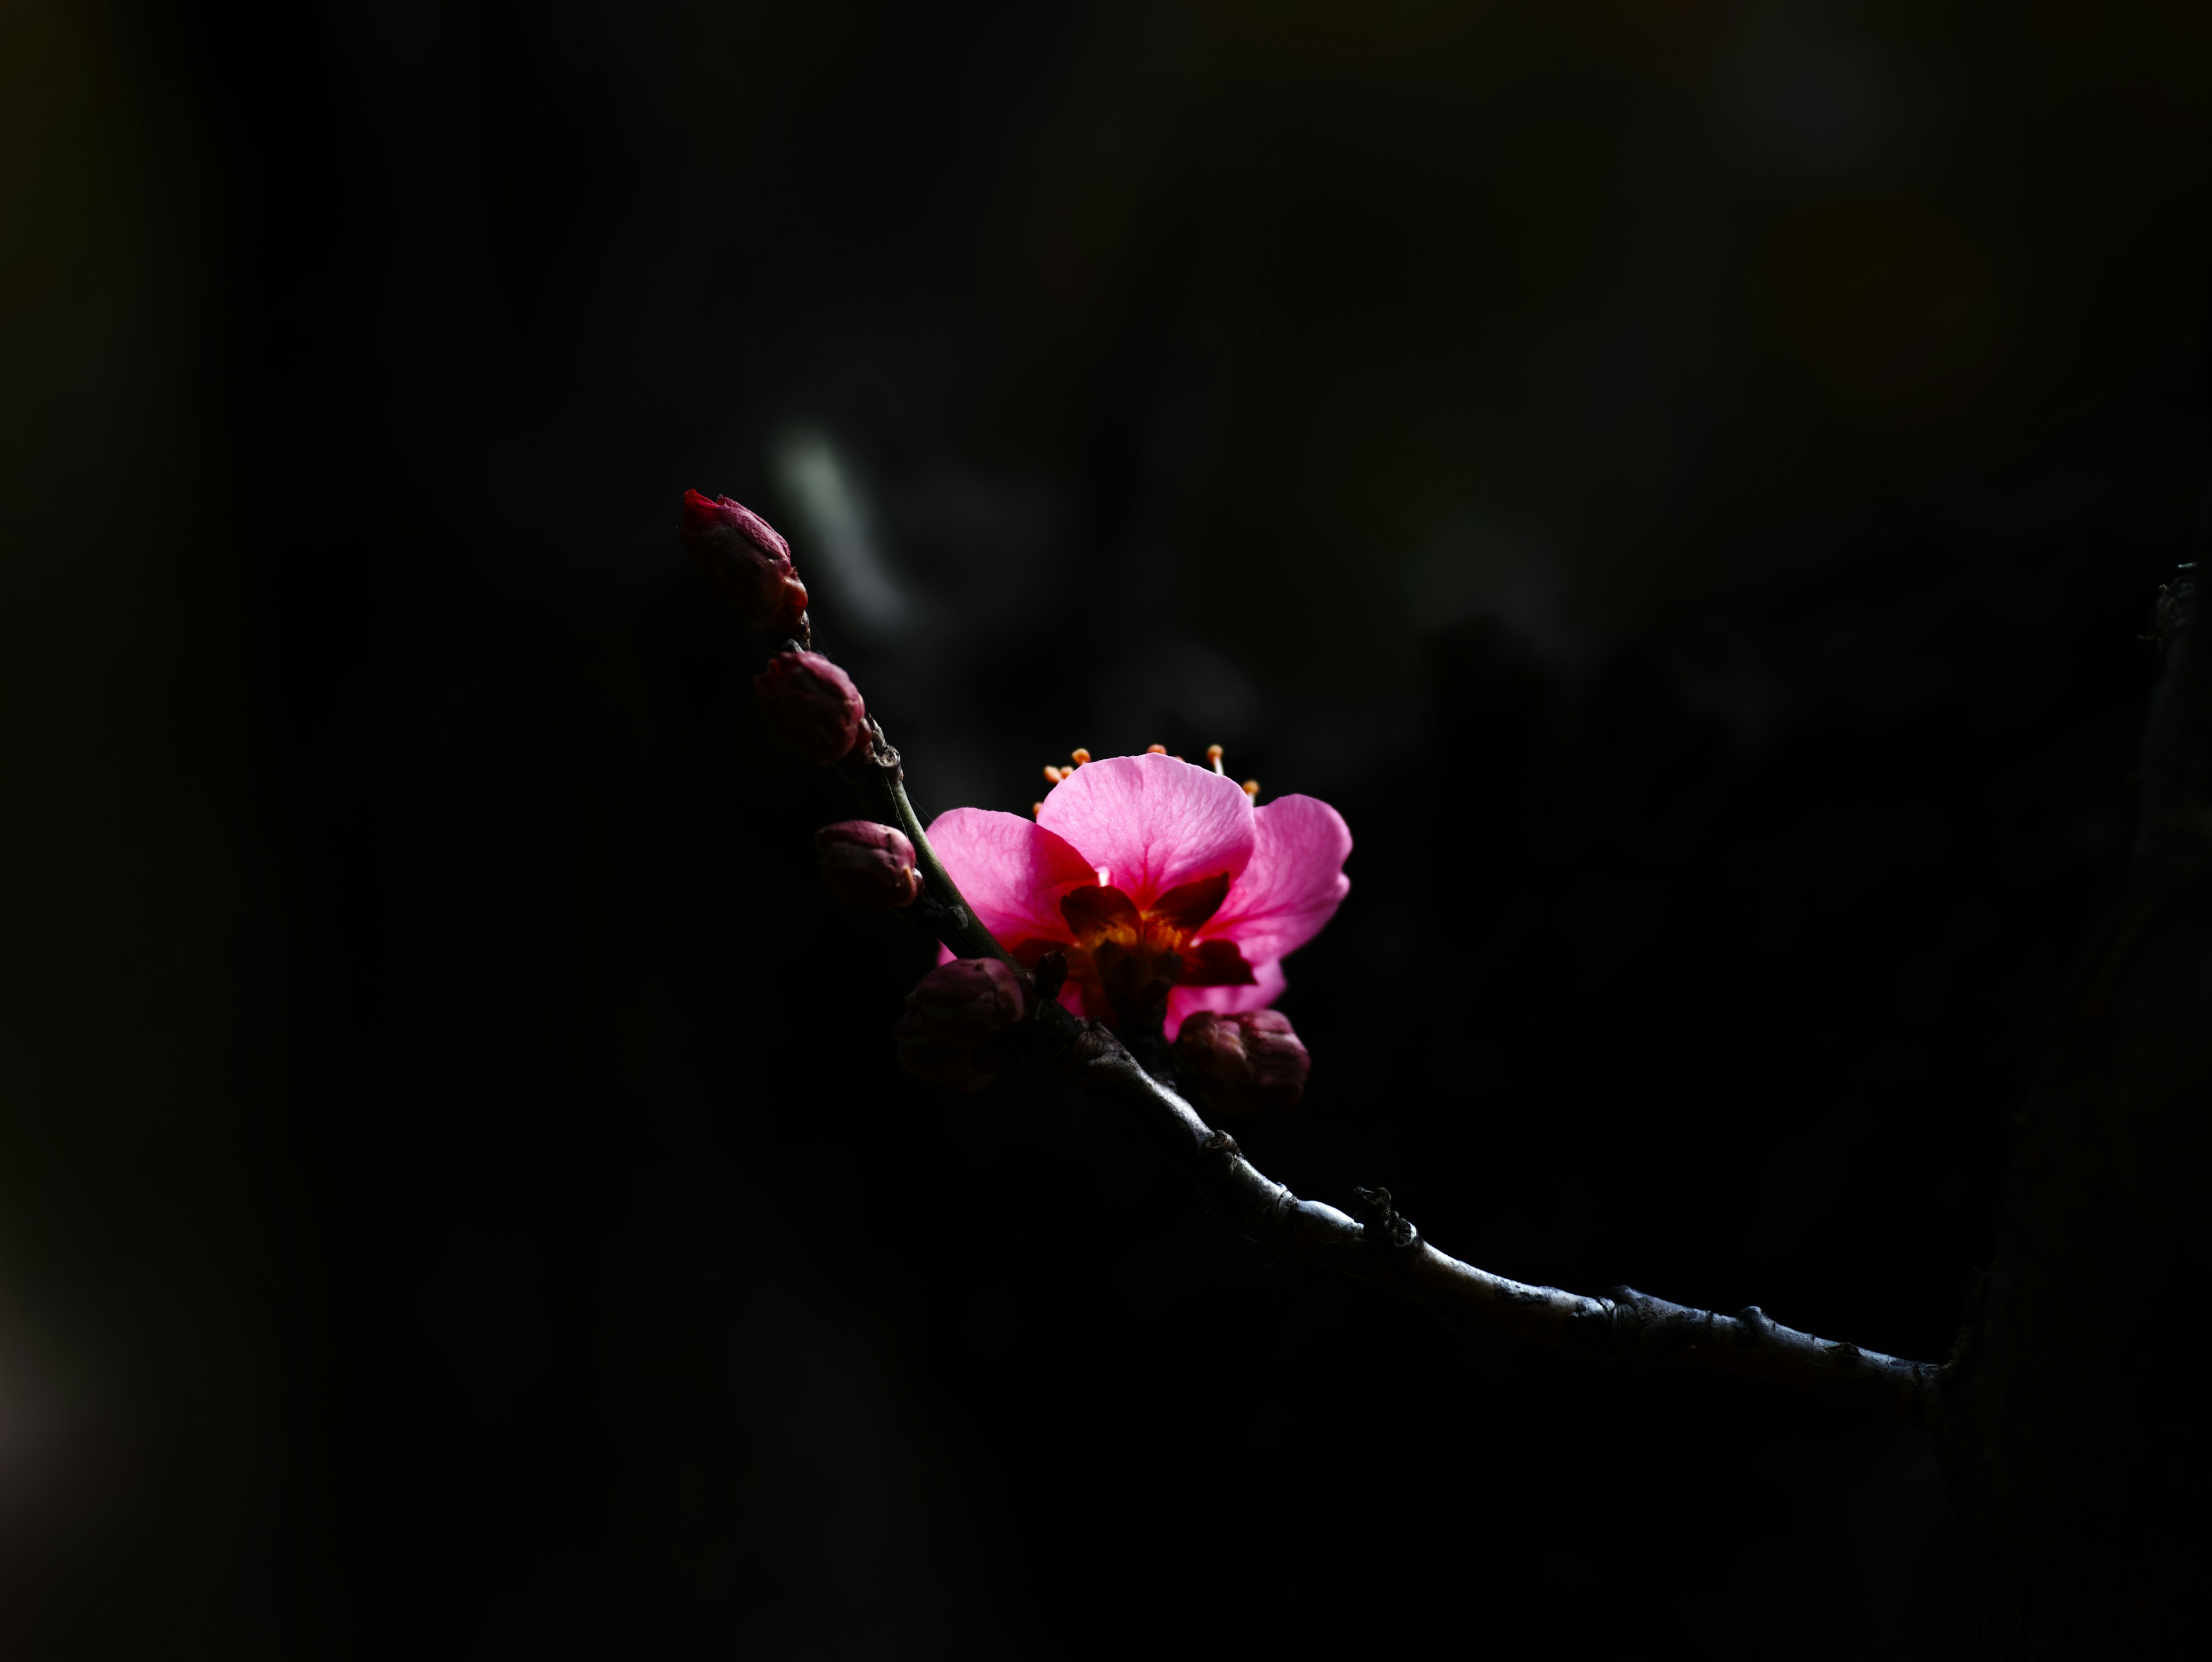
1127	958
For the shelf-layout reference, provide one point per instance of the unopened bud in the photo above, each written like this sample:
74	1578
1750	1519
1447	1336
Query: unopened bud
743	557
812	704
952	1015
867	867
1248	1064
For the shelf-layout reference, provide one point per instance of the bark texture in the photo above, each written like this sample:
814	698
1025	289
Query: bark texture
2068	1417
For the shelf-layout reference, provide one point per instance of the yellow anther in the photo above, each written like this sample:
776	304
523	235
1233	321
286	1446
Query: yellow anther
1035	808
1053	776
1079	755
1252	788
1156	750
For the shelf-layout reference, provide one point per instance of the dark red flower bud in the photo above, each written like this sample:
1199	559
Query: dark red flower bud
869	867
812	704
744	558
1248	1064
952	1015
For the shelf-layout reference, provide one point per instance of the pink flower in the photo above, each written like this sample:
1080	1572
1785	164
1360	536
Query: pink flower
1142	867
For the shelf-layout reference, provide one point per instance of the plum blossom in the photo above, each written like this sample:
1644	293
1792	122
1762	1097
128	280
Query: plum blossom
1144	870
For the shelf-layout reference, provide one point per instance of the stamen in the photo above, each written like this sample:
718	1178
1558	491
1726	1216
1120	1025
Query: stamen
1035	808
1252	790
1105	877
1079	755
1156	750
1053	776
1213	755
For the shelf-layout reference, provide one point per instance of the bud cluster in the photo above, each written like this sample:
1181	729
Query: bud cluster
1249	1062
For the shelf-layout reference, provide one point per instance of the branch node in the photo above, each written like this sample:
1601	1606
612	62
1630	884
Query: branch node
1380	1225
1753	1326
1220	1142
880	752
1648	1330
1272	1219
1093	1043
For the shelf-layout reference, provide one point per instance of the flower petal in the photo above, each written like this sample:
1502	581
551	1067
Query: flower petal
1094	915
1294	883
1214	964
1153	822
1188	906
1012	871
1266	987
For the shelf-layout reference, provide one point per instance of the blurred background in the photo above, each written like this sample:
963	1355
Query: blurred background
1685	478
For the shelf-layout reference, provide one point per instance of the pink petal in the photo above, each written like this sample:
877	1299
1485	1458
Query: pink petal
1267	987
1153	822
1012	871
1294	883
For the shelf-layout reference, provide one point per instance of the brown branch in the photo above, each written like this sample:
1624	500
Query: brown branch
1382	1247
1385	1249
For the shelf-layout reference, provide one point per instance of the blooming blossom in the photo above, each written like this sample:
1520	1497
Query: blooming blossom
1146	867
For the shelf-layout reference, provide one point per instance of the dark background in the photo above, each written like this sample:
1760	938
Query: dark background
1684	479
